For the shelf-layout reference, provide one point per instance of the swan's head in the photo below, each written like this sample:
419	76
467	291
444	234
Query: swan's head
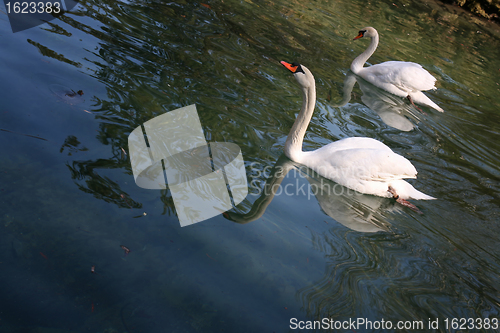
367	32
303	75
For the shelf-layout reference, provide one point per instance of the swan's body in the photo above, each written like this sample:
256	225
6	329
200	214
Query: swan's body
362	164
401	78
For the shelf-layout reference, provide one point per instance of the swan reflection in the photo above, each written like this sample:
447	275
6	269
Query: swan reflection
356	211
391	109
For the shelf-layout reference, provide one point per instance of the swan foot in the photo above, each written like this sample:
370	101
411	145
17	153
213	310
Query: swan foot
416	107
403	201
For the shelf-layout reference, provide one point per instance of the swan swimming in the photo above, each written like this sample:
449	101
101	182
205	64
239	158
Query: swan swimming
401	78
362	164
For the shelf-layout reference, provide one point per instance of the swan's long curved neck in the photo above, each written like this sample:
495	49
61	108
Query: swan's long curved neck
277	175
293	144
360	60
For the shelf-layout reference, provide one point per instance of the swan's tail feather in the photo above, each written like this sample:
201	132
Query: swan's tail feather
406	191
421	98
435	106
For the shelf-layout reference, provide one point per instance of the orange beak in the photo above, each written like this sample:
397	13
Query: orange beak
358	36
290	67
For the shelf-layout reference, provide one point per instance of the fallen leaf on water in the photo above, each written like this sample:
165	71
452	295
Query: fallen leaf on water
126	249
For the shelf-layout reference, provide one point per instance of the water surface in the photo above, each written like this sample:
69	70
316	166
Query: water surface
69	200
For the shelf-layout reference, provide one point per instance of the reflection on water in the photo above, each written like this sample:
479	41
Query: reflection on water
351	209
391	109
69	201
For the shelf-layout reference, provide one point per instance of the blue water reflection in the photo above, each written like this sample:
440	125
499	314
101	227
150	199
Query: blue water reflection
69	200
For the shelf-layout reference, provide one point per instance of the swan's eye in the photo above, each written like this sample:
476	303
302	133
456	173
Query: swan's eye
299	69
293	67
360	34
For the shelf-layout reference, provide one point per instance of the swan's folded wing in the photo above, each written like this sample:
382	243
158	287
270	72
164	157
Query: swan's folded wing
407	76
353	143
361	164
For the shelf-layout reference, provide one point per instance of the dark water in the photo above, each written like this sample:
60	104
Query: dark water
69	200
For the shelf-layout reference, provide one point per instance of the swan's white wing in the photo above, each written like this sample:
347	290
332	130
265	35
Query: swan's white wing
359	164
406	76
366	170
354	142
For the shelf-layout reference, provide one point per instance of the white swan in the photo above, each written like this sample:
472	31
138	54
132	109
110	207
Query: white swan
401	78
362	164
